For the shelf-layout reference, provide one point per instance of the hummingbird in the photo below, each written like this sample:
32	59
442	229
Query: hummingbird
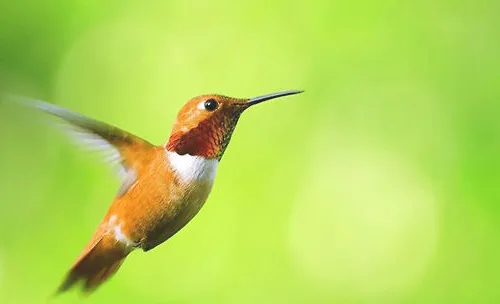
162	186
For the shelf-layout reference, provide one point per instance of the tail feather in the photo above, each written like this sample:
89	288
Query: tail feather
96	265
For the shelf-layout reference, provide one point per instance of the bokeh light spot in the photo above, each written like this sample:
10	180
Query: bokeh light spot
365	224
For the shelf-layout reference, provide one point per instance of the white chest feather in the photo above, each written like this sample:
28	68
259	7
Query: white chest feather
193	168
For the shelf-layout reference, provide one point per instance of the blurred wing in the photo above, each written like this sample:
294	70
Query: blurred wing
119	147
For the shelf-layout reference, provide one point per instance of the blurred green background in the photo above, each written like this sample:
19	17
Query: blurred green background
379	184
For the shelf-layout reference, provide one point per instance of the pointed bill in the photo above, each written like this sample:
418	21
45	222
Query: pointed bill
259	99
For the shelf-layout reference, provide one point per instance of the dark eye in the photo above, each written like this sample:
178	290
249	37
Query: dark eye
211	105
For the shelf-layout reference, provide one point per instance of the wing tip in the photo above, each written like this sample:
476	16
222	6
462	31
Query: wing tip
28	102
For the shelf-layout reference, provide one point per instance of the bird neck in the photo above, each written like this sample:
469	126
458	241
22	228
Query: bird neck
208	139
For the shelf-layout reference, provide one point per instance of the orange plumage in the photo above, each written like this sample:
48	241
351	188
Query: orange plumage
163	187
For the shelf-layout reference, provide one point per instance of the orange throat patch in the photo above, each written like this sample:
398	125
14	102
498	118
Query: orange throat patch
208	139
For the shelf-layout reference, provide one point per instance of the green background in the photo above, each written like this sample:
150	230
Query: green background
379	184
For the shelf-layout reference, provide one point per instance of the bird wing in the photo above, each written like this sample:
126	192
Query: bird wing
119	147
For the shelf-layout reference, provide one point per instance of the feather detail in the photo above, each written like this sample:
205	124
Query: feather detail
118	147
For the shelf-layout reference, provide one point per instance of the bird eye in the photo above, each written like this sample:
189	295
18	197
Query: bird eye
211	105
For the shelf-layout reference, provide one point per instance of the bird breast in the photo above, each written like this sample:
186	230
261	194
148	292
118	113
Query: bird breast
193	169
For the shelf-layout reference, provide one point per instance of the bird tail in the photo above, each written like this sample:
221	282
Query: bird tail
96	265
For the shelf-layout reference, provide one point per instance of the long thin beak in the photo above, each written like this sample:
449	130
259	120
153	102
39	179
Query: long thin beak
259	99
